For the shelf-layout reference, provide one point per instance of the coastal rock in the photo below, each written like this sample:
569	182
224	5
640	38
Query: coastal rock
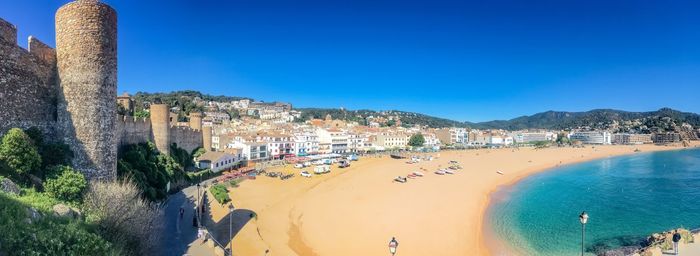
7	186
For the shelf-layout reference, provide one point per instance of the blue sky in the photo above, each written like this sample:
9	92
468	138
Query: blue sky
464	60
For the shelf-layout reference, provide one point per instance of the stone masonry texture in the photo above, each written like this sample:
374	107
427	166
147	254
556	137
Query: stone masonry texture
70	93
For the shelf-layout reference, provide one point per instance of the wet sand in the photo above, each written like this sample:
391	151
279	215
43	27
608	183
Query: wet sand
356	210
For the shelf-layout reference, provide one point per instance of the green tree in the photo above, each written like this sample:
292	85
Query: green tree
416	140
198	152
150	170
52	153
68	185
142	114
19	152
562	139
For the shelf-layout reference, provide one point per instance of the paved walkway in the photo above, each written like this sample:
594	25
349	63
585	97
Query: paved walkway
180	236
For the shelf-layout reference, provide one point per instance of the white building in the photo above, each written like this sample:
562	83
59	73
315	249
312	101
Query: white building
530	137
305	143
324	141
217	161
594	137
251	151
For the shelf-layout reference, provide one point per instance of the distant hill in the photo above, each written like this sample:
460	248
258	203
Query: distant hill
664	119
361	116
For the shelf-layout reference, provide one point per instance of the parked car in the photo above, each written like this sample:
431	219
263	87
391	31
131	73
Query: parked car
299	166
322	169
343	163
305	174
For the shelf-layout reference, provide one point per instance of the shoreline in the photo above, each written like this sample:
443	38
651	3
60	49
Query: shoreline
356	210
489	240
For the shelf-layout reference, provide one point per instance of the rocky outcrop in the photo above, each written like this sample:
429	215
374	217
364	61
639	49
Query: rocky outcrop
63	210
7	186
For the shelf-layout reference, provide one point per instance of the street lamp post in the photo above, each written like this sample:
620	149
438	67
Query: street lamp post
199	217
583	218
393	245
230	227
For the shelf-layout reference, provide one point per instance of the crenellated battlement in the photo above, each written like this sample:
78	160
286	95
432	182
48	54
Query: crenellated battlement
130	119
185	129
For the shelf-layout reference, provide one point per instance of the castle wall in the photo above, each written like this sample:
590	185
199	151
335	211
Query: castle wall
27	83
86	43
133	131
186	138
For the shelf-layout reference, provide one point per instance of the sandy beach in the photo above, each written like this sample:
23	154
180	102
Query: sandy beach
357	210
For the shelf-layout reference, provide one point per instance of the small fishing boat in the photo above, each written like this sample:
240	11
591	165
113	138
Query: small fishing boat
400	179
500	172
397	156
440	172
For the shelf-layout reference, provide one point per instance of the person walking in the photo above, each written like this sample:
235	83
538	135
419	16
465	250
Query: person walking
393	245
182	212
676	239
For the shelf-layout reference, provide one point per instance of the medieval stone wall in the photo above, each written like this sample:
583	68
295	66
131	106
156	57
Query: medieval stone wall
186	138
27	83
133	131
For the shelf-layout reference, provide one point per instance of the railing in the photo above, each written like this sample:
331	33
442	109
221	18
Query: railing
216	243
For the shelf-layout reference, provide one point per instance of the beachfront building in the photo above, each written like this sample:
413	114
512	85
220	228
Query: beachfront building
305	143
530	137
480	139
592	137
217	161
451	136
392	140
431	140
631	139
339	141
666	138
250	150
358	142
280	145
324	141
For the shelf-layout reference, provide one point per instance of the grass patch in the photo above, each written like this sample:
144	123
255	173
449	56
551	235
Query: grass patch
220	193
46	235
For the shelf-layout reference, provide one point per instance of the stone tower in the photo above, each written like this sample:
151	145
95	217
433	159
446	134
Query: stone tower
86	47
160	124
196	120
206	138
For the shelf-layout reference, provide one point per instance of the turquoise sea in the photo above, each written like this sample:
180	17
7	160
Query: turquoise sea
626	197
